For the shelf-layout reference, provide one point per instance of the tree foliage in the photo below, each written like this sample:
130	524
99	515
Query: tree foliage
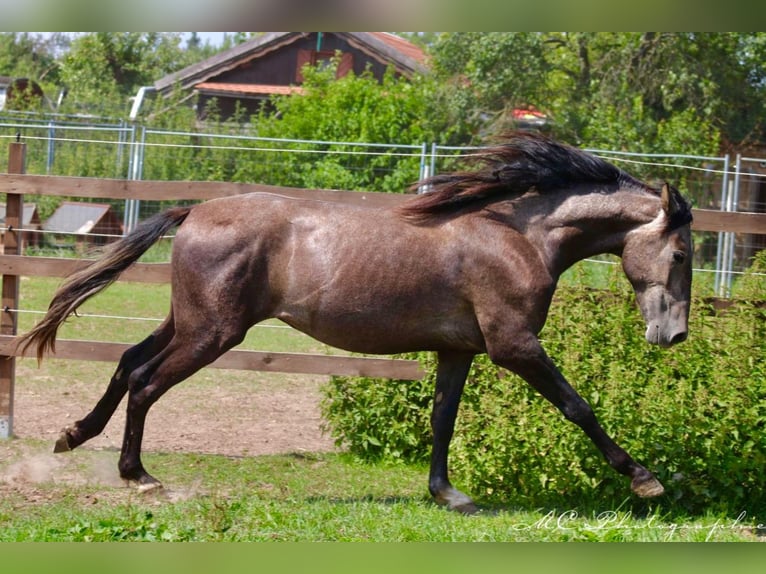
25	55
102	70
484	76
354	108
655	92
648	91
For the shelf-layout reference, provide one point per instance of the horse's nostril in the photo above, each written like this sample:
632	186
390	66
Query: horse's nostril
679	338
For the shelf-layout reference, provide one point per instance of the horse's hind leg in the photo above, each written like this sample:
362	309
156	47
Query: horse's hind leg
451	373
176	362
95	421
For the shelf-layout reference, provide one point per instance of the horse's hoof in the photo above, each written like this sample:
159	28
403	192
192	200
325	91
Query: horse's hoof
143	483
468	508
62	444
144	486
148	487
455	500
648	487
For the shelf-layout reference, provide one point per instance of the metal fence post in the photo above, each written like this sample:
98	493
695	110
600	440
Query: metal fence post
135	170
733	206
423	165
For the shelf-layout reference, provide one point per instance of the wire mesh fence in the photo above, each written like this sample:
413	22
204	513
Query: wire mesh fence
90	147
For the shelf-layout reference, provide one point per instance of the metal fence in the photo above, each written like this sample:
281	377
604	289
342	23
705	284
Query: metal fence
312	164
97	147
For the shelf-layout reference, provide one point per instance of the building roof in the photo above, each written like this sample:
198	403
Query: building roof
406	57
76	217
406	47
30	211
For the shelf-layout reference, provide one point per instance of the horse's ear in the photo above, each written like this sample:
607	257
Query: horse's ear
669	202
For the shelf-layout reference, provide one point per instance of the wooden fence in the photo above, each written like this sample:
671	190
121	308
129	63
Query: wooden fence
16	185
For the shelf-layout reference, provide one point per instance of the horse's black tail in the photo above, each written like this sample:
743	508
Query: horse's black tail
97	276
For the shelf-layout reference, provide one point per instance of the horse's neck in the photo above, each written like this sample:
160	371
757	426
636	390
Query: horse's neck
583	225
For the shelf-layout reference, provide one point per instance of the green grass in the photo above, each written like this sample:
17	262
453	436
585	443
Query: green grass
308	497
322	497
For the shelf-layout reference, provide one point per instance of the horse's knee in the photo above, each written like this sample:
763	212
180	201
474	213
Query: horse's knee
136	382
139	390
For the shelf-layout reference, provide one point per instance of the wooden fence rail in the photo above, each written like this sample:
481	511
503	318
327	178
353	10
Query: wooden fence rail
20	185
15	184
304	363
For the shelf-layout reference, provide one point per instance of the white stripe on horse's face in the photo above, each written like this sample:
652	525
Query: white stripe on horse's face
658	264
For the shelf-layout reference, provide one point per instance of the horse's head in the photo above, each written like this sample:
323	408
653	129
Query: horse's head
657	258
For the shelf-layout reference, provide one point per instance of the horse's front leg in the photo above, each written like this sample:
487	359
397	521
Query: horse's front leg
451	373
528	359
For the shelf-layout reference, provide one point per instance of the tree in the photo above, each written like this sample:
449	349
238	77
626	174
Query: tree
25	55
613	91
671	92
235	38
666	91
354	109
484	76
103	69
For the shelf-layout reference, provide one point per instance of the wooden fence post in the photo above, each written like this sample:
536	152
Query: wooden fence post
14	218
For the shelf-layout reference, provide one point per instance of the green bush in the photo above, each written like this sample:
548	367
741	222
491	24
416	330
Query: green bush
695	414
381	418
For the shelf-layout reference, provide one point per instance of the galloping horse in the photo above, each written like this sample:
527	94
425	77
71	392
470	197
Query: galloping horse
469	267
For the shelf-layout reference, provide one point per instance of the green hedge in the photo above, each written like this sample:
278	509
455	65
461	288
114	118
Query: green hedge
694	414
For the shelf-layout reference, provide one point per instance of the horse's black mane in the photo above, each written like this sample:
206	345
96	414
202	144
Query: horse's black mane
524	160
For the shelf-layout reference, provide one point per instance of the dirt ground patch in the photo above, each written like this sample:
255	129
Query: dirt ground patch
217	411
233	413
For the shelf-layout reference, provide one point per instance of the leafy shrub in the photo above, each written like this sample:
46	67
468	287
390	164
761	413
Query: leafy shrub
688	414
381	418
695	414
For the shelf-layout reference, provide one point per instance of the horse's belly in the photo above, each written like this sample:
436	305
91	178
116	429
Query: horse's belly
378	332
361	280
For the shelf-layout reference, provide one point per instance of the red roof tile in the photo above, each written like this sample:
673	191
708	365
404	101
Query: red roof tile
404	46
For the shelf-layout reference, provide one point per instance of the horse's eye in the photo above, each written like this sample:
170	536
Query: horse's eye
679	257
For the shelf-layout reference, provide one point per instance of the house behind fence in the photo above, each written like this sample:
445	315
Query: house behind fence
30	220
77	224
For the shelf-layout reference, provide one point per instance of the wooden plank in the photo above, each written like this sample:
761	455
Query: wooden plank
62	267
704	219
735	222
176	190
10	288
249	360
321	364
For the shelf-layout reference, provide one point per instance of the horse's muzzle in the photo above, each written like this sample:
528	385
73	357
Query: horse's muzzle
655	335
